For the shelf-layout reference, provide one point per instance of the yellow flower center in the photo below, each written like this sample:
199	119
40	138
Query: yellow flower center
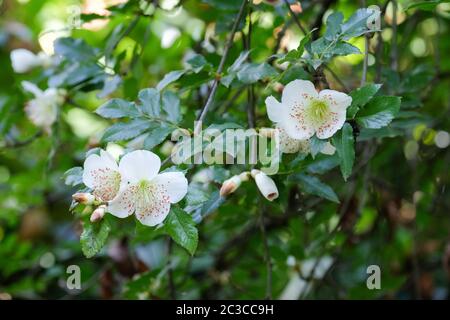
318	111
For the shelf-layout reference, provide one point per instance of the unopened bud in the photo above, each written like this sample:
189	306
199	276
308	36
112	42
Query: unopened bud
265	184
83	198
229	186
98	213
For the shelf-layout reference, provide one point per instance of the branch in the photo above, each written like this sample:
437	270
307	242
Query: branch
220	68
295	18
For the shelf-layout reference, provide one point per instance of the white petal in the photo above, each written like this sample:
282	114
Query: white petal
274	109
152	204
296	124
297	91
139	165
287	144
174	185
123	205
32	88
101	174
331	126
338	101
23	60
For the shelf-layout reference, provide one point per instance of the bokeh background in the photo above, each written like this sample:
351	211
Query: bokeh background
394	211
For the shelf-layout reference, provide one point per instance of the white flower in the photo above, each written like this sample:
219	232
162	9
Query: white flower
43	109
290	145
304	112
101	174
265	184
145	192
23	60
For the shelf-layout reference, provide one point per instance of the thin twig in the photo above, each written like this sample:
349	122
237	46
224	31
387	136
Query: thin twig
250	90
294	16
337	78
213	90
394	53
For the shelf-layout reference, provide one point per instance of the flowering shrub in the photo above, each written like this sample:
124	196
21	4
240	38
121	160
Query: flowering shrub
320	90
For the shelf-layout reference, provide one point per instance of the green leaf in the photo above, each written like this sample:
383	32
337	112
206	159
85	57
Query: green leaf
73	176
171	105
236	66
126	130
212	204
316	145
313	185
94	237
253	72
197	63
150	101
344	142
181	227
118	108
360	97
156	136
74	49
356	25
334	22
169	78
379	112
424	5
344	48
322	165
196	195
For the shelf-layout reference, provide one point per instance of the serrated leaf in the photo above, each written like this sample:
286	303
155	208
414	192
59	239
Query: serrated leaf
126	130
73	176
171	105
118	108
361	96
94	237
181	228
356	25
344	48
169	78
379	112
150	101
156	136
74	49
316	145
197	63
333	23
253	72
344	142
236	66
313	185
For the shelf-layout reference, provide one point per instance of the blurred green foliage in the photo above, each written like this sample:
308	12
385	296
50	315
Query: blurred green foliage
392	210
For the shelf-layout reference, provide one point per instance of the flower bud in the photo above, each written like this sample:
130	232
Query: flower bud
84	198
24	60
98	213
265	185
229	186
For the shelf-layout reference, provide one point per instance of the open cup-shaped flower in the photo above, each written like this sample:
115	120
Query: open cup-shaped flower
145	192
304	112
101	174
